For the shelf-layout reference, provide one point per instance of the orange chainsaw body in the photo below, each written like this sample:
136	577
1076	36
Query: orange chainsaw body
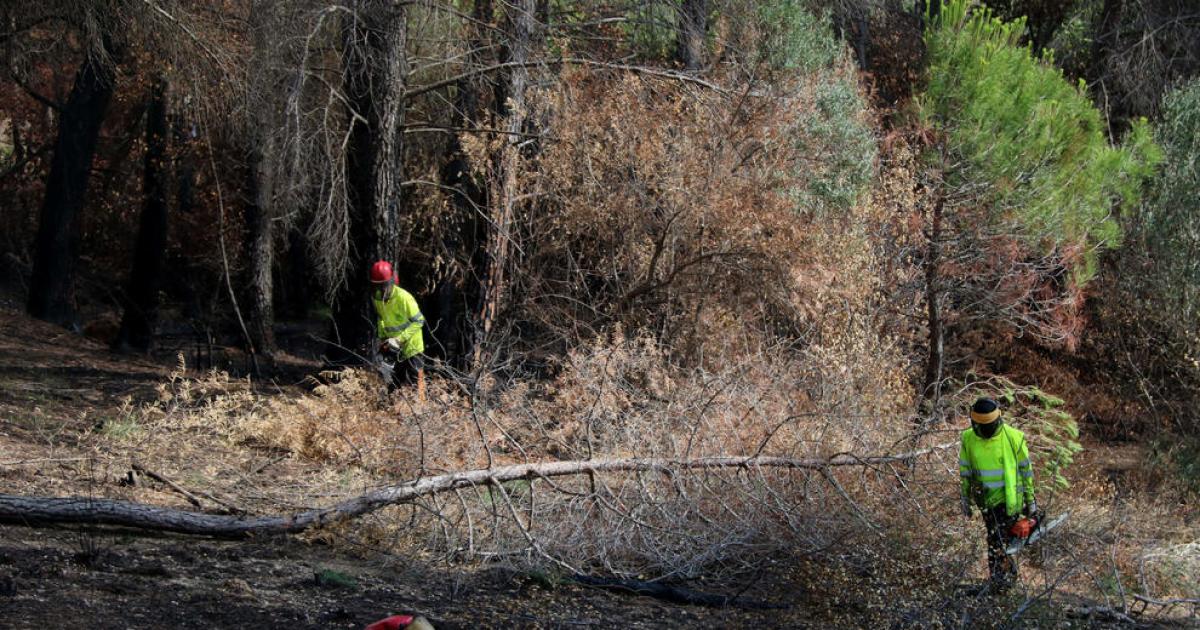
1023	528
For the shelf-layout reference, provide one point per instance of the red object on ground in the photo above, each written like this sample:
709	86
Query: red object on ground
395	622
1023	528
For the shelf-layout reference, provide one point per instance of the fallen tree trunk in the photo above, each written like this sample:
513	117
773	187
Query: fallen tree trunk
94	511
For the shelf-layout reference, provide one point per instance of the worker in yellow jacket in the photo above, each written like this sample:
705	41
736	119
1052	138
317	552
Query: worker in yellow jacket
997	478
399	327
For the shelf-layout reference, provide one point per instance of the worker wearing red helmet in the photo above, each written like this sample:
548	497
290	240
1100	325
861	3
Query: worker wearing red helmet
399	326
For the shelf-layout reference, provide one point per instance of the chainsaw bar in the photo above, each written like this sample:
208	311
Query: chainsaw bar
385	370
1039	532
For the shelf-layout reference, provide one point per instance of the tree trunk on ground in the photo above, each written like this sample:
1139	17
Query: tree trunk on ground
503	209
693	27
375	82
141	296
92	511
51	292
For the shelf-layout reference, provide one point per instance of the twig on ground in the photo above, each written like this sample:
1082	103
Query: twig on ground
193	498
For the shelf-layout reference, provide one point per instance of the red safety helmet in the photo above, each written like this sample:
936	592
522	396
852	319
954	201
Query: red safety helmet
382	272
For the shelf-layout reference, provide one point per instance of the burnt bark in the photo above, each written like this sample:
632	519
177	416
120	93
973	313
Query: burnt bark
52	286
502	213
375	78
935	360
456	296
932	8
1105	41
260	253
693	27
388	173
141	296
261	209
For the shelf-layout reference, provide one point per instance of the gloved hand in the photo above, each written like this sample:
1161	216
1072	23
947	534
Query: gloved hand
966	506
391	344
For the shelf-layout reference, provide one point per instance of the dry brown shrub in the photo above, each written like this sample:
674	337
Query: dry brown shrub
678	210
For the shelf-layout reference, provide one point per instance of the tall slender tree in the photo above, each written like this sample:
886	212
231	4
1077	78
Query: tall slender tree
262	155
456	295
375	79
52	287
260	249
693	29
521	31
141	295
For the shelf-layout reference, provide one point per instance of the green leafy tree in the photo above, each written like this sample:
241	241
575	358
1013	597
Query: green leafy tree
1171	221
1024	181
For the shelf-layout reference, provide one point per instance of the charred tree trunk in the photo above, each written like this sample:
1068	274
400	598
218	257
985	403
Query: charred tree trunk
456	296
260	253
1103	45
188	293
261	211
296	286
504	179
693	27
931	7
375	79
351	308
862	40
933	300
141	296
388	163
52	286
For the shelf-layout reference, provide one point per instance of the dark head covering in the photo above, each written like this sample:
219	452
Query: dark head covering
985	417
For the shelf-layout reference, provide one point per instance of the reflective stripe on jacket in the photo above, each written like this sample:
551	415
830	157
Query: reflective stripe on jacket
996	471
399	317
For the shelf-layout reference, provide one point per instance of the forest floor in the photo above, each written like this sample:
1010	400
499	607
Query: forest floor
56	388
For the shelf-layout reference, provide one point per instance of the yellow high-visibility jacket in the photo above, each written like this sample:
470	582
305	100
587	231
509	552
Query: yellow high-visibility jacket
996	471
400	317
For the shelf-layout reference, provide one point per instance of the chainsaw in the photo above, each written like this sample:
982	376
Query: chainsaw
1027	531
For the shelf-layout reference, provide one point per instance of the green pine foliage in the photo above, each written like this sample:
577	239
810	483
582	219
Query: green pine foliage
1050	431
1029	139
